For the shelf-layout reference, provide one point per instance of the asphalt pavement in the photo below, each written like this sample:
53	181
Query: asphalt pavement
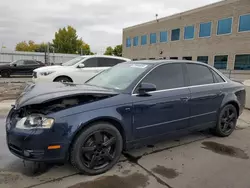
193	161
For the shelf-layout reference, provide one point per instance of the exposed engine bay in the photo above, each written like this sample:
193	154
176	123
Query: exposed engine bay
59	104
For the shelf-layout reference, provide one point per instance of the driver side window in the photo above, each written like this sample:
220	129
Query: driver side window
167	76
20	63
92	62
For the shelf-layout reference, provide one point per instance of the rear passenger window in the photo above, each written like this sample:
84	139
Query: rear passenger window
168	76
108	62
217	77
199	75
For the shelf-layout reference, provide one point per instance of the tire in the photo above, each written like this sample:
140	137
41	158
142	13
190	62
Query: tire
101	152
5	74
227	120
63	79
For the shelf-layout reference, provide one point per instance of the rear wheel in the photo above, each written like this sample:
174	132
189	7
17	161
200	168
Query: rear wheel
97	149
226	121
5	74
63	79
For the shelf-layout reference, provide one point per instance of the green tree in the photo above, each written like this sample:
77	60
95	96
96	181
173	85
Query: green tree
67	41
118	50
109	51
29	46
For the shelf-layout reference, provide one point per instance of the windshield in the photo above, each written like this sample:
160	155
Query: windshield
120	76
73	61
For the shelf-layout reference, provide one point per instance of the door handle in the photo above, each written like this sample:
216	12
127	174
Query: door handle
185	99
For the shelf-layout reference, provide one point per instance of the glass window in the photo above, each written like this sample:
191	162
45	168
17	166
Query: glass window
175	35
244	24
199	75
205	29
144	40
224	26
166	77
187	58
189	32
217	77
242	62
135	41
220	61
30	62
73	61
203	59
128	42
173	58
153	38
119	77
108	62
92	62
18	63
163	36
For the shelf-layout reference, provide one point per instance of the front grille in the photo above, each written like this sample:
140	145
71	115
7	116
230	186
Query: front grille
35	74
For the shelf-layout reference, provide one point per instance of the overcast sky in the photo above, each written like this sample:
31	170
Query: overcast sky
98	22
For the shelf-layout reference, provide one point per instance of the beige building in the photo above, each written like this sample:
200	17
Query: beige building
218	34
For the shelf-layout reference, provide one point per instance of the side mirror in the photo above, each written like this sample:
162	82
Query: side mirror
81	65
145	88
14	65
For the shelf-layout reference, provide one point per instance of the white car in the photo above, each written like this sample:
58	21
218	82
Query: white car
77	70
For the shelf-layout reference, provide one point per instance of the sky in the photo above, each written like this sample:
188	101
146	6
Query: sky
98	22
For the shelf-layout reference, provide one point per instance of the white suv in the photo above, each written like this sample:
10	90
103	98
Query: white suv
77	70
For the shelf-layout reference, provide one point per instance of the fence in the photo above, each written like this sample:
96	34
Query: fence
55	58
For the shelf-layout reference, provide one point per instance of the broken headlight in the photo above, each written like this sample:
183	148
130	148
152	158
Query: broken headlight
35	121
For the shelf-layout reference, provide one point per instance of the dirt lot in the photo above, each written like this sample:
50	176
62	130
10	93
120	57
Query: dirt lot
10	90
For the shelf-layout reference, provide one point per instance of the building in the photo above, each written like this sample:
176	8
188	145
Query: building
218	34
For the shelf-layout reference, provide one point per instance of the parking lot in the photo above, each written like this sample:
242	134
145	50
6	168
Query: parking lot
197	160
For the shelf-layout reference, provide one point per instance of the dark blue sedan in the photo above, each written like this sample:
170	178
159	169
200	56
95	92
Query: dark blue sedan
131	104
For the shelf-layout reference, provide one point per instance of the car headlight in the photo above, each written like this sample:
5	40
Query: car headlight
46	73
35	121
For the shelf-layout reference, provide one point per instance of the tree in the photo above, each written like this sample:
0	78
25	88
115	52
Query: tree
109	51
118	50
27	47
67	41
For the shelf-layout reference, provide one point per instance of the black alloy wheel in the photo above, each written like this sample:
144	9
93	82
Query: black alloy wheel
5	74
97	149
227	121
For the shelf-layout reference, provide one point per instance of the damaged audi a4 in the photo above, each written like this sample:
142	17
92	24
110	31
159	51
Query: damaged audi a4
126	106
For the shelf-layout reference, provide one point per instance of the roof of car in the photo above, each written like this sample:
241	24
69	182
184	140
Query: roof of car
166	61
107	56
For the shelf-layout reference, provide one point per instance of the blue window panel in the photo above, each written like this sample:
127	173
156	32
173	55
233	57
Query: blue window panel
205	29
128	42
189	32
224	26
143	39
242	62
135	41
163	36
153	38
244	24
220	61
175	35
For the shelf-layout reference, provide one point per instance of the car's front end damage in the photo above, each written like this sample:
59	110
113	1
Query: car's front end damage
34	128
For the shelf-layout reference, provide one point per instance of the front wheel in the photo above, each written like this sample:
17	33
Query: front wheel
63	79
226	121
97	149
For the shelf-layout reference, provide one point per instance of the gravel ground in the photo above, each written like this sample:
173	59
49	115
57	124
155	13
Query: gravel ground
10	90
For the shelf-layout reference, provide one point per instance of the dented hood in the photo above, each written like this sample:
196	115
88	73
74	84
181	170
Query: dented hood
44	92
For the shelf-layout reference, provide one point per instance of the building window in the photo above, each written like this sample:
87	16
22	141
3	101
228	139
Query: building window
220	61
128	42
187	58
164	36
189	32
144	40
224	26
135	41
173	58
242	62
203	59
152	38
205	29
175	35
244	24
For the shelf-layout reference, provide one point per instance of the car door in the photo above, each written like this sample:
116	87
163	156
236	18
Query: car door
18	68
206	95
30	65
165	110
